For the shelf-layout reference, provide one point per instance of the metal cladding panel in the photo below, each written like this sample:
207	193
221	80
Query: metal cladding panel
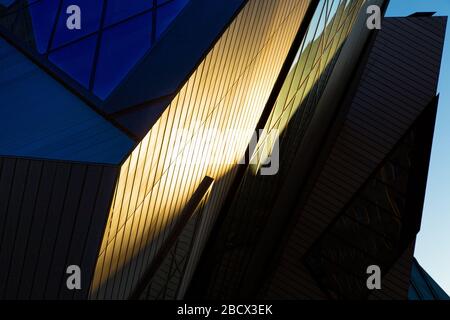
40	118
398	82
306	150
228	91
52	215
231	247
174	57
397	281
379	223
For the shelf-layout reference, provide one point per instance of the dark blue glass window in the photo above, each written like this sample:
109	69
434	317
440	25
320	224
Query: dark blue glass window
91	11
76	59
121	47
118	10
166	14
43	15
114	35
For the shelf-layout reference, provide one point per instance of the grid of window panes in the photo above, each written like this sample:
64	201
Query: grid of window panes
114	35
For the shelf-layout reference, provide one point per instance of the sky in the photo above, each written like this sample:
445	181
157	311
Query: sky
433	241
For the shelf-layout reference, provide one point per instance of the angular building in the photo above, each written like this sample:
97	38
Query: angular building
119	152
92	118
423	287
353	166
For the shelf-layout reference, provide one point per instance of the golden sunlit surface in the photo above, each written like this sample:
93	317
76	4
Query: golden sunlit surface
326	34
229	89
169	281
295	105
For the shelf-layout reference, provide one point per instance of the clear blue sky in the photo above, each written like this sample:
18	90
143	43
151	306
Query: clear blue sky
433	242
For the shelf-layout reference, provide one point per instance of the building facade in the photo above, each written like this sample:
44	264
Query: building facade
351	186
98	129
120	156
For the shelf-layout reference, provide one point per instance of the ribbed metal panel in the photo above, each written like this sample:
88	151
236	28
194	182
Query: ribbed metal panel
399	81
295	103
227	91
52	216
397	281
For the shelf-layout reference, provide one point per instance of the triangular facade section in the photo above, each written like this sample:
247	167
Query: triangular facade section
113	36
128	54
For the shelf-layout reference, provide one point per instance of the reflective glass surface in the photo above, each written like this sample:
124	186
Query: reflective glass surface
114	35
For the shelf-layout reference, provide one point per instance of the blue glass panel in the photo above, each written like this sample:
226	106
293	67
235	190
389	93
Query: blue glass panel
161	2
166	14
91	11
6	3
43	14
76	59
118	10
121	48
50	121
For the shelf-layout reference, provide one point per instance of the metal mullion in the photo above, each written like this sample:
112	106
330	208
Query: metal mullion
97	48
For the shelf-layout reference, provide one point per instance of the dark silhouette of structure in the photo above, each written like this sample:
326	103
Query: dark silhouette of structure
107	162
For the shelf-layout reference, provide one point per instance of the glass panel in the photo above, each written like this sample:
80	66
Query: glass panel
126	33
117	10
121	47
43	14
76	59
166	14
90	18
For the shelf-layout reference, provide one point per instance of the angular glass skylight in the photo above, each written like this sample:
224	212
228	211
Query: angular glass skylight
114	35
